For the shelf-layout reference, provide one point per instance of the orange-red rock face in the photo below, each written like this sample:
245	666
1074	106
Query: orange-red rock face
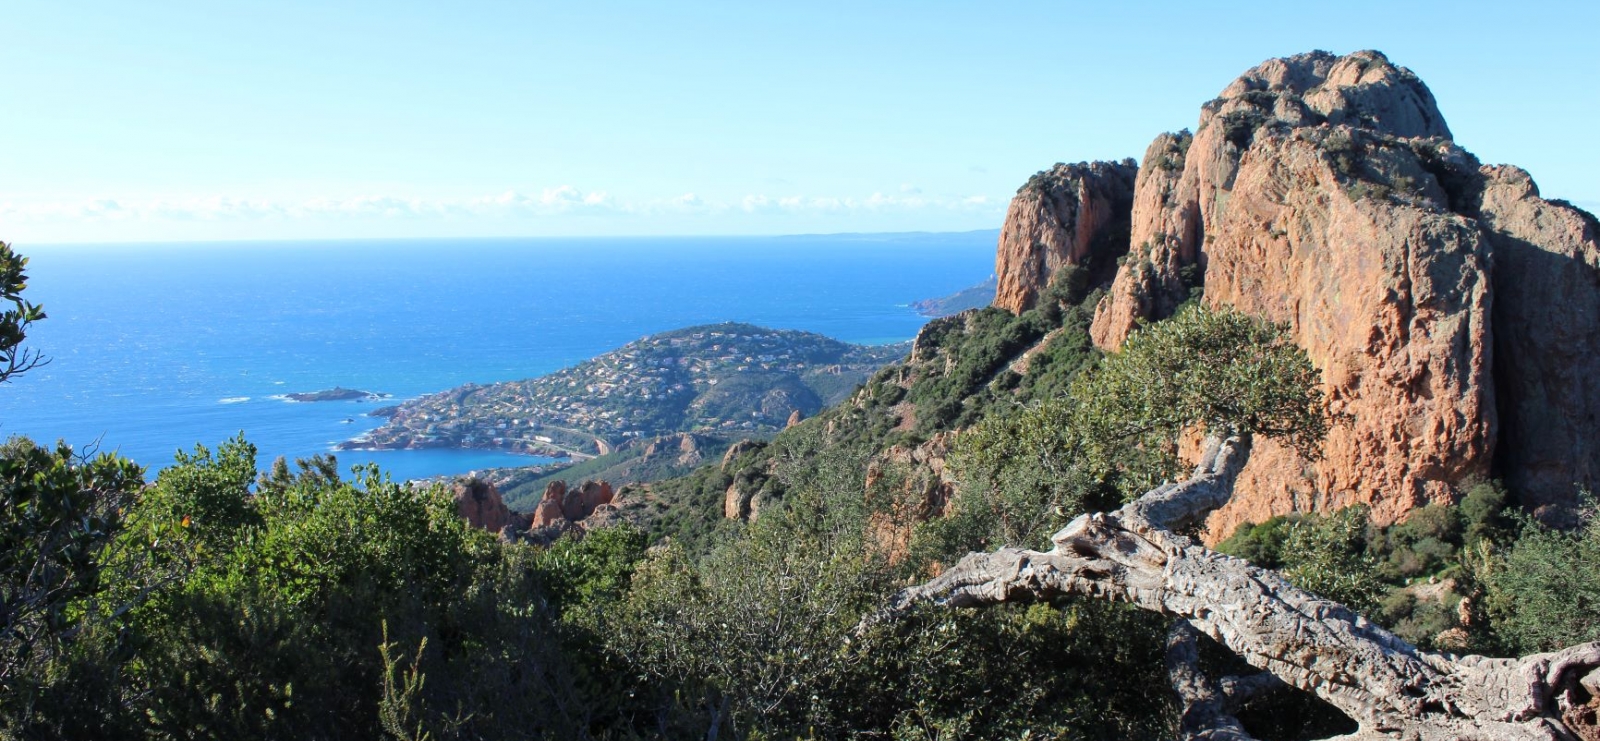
1068	215
1547	338
1389	298
479	503
1454	314
548	512
1186	182
581	502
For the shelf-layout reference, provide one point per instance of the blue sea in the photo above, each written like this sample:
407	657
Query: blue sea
158	347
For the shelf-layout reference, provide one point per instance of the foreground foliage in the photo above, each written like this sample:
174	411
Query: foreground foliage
220	601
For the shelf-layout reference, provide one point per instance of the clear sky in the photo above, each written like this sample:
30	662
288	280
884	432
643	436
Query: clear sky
277	120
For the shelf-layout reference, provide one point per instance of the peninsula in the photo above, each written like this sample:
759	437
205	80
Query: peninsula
732	379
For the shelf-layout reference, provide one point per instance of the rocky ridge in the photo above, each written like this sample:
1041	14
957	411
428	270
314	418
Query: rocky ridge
1452	311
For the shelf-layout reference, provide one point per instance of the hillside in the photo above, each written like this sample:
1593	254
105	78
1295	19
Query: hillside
731	379
975	297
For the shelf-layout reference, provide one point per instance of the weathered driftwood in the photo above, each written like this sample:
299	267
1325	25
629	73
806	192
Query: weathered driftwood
1390	688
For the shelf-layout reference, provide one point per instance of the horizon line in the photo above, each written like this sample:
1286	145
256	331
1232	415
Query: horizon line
301	240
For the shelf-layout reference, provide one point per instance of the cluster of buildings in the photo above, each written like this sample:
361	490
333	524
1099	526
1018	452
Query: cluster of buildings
641	390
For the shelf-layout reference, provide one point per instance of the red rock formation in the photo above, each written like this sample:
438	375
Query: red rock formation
1185	184
478	502
1547	338
738	449
1323	192
1388	296
910	485
1068	215
1164	239
795	418
577	504
738	502
549	511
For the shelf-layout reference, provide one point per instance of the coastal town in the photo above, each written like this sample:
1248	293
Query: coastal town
728	378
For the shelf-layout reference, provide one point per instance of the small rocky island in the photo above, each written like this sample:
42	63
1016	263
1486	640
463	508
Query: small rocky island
337	393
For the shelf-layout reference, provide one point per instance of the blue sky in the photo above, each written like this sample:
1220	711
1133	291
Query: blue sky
204	120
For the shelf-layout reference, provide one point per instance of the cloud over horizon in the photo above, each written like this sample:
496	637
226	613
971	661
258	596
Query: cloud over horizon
562	200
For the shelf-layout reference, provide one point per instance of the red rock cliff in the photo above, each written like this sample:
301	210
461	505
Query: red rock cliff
1067	215
1454	314
1547	338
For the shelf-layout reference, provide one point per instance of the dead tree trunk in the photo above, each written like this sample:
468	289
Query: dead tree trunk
1391	689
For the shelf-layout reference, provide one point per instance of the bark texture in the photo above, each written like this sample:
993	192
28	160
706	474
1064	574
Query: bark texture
1390	688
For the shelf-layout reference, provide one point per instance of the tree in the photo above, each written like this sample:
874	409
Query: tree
18	315
65	580
59	519
1136	554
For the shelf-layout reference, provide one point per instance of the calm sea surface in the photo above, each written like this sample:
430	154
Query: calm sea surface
155	347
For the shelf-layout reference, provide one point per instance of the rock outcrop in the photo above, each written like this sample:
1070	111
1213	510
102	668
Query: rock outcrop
1454	314
1547	338
572	509
581	502
1389	296
914	484
1186	182
683	448
1067	215
478	502
548	512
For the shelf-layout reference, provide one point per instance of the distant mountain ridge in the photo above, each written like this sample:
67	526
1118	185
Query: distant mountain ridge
730	378
974	297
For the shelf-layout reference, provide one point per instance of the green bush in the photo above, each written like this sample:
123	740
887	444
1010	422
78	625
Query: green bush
1545	591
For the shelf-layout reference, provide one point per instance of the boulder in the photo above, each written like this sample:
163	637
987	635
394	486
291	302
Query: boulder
478	502
580	502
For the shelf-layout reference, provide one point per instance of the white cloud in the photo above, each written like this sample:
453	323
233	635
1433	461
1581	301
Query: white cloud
549	202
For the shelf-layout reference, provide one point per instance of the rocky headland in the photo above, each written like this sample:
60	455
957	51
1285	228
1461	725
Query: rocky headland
955	303
724	379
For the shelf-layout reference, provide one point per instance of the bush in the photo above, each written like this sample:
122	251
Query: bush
1546	589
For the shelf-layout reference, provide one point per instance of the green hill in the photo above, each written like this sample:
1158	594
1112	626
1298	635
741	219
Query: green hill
730	379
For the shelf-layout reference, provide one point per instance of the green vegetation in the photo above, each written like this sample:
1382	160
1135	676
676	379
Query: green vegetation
16	318
1545	588
221	601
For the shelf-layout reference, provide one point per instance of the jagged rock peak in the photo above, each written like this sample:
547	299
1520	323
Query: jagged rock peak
1363	89
1187	182
1068	215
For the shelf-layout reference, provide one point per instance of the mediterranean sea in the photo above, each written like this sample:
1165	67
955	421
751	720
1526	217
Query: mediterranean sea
159	347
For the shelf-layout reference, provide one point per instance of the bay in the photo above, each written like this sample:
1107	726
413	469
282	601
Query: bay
157	347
